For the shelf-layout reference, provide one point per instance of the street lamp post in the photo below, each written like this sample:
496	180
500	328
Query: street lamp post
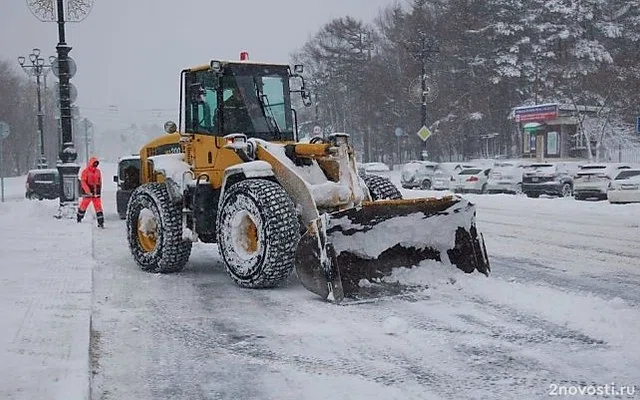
38	68
55	11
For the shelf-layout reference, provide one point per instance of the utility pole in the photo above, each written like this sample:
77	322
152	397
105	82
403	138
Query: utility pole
366	43
427	49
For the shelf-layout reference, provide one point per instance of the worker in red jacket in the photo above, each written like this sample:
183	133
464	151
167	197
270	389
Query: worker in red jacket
91	182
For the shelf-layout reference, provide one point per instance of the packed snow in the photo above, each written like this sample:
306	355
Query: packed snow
558	314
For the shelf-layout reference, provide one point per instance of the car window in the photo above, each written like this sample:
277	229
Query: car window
627	174
470	172
49	177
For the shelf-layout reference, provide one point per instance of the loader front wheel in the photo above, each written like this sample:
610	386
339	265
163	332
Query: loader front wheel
381	188
154	230
258	233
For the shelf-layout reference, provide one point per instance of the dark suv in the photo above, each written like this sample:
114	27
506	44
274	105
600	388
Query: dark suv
128	179
546	178
42	184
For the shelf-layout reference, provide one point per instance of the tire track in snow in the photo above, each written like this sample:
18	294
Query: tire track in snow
490	349
547	230
608	287
572	248
225	340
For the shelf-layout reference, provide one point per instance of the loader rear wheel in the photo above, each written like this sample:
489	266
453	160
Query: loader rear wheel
258	233
381	188
154	230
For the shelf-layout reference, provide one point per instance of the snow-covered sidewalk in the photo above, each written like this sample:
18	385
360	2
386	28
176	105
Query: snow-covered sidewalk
45	302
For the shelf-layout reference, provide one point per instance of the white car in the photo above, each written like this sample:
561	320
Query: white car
471	180
505	177
375	167
442	177
592	180
417	174
625	188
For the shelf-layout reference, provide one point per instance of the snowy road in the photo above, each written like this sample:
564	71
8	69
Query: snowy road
561	310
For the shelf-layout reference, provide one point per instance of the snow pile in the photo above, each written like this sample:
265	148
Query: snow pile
147	222
429	273
172	166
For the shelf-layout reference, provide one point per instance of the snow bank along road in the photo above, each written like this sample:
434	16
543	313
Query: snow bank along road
559	315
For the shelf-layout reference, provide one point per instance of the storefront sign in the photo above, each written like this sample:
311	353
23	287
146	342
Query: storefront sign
543	112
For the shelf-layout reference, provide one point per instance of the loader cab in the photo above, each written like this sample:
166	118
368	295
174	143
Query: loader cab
240	97
127	180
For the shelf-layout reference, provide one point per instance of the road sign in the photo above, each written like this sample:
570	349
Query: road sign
399	132
4	130
317	130
424	133
638	125
73	67
73	92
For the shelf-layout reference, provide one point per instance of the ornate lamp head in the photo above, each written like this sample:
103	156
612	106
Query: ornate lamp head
47	10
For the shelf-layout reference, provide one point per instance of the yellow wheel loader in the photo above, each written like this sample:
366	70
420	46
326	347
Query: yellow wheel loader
232	172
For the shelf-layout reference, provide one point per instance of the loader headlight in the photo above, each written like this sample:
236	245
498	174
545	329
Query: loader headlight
216	66
236	138
338	139
243	148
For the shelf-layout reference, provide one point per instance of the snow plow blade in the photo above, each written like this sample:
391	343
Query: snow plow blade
342	248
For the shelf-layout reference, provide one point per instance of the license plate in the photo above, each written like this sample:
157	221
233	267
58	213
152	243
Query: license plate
534	179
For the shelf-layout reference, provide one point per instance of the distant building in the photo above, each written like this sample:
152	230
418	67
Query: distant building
551	130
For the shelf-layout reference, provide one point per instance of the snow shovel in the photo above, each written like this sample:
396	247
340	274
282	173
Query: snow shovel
369	242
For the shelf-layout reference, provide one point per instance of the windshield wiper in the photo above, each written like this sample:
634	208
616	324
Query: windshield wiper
264	105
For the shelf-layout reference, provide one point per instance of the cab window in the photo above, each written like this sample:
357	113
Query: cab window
202	102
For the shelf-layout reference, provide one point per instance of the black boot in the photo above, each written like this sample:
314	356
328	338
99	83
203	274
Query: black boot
100	216
80	215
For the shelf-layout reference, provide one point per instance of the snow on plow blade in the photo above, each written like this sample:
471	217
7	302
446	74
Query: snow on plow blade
368	242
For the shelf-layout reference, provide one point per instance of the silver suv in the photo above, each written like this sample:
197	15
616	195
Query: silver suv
418	174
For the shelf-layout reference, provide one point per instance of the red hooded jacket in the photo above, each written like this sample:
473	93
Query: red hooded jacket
91	178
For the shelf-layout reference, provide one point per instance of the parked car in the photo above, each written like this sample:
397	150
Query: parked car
417	174
375	167
471	180
625	187
505	177
442	177
547	178
592	180
128	179
42	184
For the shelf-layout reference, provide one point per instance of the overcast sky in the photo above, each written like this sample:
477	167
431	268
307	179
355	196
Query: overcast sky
130	52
